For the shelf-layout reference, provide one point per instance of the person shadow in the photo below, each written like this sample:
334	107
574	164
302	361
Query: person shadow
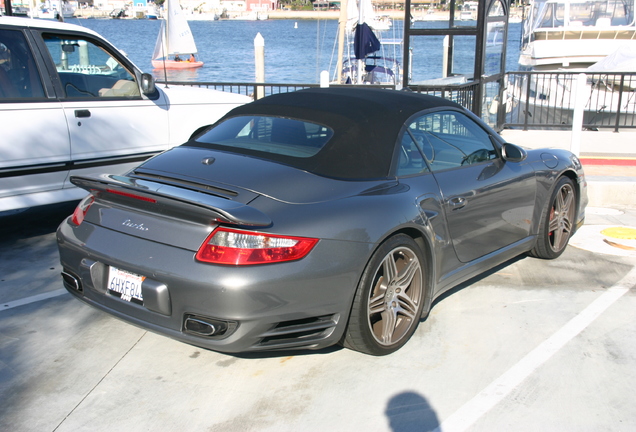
410	411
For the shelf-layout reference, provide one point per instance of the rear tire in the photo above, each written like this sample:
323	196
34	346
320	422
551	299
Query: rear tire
388	303
557	221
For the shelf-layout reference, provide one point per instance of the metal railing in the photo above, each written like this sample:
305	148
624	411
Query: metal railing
539	100
531	100
262	89
463	94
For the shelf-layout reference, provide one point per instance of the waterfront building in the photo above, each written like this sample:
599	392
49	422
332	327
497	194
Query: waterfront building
233	5
261	5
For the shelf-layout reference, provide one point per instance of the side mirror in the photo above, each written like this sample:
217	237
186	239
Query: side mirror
147	84
513	153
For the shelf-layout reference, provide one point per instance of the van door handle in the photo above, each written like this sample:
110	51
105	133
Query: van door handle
82	113
456	203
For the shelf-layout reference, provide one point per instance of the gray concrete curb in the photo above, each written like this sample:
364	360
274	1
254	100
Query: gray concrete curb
603	191
606	192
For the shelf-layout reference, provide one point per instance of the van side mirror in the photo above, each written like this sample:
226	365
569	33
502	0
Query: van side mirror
147	84
513	153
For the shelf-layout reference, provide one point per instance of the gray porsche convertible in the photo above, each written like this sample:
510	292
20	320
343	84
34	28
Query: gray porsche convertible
314	218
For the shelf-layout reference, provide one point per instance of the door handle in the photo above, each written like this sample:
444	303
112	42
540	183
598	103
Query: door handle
83	113
456	203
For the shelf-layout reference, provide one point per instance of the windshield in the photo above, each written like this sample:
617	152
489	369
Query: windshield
597	13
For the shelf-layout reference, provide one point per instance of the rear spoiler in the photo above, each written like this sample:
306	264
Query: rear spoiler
170	200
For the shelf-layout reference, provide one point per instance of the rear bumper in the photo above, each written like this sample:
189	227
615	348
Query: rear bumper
302	304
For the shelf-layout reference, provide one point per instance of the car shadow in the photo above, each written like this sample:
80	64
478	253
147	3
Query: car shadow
336	348
474	280
286	353
33	221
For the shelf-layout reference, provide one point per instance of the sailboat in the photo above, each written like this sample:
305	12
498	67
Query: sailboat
361	63
175	47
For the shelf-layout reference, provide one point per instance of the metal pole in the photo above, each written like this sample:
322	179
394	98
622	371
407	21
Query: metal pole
406	57
527	110
478	75
620	101
361	63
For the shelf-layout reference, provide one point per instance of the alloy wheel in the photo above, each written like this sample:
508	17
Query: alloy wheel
395	296
561	218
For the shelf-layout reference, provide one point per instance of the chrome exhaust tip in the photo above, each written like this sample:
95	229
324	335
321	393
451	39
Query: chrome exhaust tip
199	327
207	327
72	282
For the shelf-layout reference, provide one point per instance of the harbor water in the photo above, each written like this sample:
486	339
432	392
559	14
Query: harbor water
296	51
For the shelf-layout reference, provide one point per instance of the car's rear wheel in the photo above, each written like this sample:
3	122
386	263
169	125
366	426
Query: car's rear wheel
388	303
557	221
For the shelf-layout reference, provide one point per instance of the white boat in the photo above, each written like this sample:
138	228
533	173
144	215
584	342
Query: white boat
251	16
570	36
175	47
53	9
575	34
468	11
367	55
195	16
152	12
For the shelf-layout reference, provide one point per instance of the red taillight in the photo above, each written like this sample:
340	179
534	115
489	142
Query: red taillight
235	247
81	209
131	195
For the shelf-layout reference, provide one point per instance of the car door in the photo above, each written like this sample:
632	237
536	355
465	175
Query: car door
488	202
112	126
35	147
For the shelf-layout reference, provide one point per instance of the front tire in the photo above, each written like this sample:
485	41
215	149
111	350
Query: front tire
388	303
557	221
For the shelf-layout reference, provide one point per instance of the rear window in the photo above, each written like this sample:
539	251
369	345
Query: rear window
273	135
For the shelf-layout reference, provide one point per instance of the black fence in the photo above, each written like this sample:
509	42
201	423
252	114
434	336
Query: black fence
531	100
463	94
255	90
539	100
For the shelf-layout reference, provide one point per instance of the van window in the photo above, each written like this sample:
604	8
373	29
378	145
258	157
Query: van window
87	70
19	77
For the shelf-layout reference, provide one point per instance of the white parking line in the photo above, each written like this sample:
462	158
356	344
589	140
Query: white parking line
479	405
32	299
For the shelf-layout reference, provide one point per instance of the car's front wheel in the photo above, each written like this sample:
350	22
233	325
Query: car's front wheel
557	221
388	303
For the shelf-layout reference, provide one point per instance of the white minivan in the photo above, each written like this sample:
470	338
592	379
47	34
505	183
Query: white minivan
71	103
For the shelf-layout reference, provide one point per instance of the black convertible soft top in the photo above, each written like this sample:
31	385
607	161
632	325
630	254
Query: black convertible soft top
366	123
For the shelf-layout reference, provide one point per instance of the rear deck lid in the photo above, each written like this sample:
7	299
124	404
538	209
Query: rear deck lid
248	174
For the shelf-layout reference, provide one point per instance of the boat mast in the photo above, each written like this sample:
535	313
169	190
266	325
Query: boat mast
360	68
342	23
166	32
361	62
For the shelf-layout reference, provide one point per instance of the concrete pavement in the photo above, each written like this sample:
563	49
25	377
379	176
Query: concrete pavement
532	345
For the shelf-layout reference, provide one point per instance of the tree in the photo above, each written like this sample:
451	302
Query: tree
297	4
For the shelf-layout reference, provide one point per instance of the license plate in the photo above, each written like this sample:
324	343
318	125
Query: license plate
126	284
